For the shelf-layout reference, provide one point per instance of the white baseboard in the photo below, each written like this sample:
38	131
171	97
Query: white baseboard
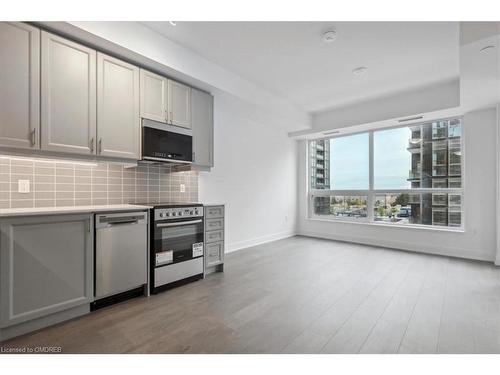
240	245
400	245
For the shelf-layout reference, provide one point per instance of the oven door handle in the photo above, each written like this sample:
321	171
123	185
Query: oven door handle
163	225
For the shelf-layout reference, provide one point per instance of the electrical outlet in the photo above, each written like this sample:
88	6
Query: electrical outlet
23	186
182	188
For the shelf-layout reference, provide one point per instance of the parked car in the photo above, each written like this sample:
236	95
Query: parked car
404	212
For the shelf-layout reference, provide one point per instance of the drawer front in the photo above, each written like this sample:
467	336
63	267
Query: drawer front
214	212
178	271
215	253
214	236
214	224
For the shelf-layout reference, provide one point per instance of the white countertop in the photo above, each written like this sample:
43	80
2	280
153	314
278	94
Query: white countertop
11	212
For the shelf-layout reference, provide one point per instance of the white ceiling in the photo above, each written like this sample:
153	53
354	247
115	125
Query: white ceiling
291	60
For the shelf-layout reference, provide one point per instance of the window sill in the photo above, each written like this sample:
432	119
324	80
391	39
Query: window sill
387	225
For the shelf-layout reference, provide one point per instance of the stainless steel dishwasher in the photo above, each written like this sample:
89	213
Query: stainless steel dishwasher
120	253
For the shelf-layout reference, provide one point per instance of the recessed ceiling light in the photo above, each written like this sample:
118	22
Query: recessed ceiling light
487	48
360	70
329	35
172	23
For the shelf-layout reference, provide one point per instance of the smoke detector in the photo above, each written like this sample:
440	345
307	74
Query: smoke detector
329	36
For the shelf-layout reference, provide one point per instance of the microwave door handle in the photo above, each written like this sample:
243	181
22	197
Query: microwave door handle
163	225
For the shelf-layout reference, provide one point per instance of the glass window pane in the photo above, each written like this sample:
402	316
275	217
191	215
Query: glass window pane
397	158
455	182
340	163
349	162
438	183
396	208
319	162
416	156
455	128
419	208
341	206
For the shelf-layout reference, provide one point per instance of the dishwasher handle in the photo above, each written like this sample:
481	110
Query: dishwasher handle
121	222
106	221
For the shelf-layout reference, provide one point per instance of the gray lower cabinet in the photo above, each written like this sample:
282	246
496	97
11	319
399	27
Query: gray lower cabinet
214	238
46	271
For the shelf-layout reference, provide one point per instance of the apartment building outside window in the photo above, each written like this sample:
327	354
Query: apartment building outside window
409	175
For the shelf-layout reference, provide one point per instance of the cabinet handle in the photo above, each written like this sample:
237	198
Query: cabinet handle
91	144
194	156
33	137
100	145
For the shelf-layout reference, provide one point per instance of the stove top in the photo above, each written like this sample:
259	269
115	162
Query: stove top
169	204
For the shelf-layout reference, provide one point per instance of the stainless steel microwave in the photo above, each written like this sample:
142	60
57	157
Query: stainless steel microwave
166	143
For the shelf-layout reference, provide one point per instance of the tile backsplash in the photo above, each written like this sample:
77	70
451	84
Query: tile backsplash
55	183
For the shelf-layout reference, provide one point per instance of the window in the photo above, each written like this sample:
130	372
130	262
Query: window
404	175
340	163
341	206
396	163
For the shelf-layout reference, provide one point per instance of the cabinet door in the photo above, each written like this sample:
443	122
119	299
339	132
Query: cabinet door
45	266
179	104
203	128
118	119
153	96
214	254
19	85
68	96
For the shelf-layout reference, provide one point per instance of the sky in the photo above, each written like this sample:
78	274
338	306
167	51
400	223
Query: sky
391	160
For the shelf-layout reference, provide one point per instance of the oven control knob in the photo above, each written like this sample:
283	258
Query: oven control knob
167	214
161	214
196	212
174	214
180	213
191	212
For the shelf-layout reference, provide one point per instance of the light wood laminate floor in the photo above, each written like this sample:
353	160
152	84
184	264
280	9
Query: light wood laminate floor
304	295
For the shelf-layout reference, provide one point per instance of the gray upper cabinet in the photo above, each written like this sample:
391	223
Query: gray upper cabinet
203	128
118	119
68	95
165	100
46	266
153	96
179	104
19	85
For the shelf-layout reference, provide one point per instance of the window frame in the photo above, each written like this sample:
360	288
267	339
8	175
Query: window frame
372	192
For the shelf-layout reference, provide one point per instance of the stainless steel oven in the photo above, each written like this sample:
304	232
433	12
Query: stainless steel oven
177	245
166	143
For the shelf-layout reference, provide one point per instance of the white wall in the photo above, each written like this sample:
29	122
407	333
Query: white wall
479	239
255	174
